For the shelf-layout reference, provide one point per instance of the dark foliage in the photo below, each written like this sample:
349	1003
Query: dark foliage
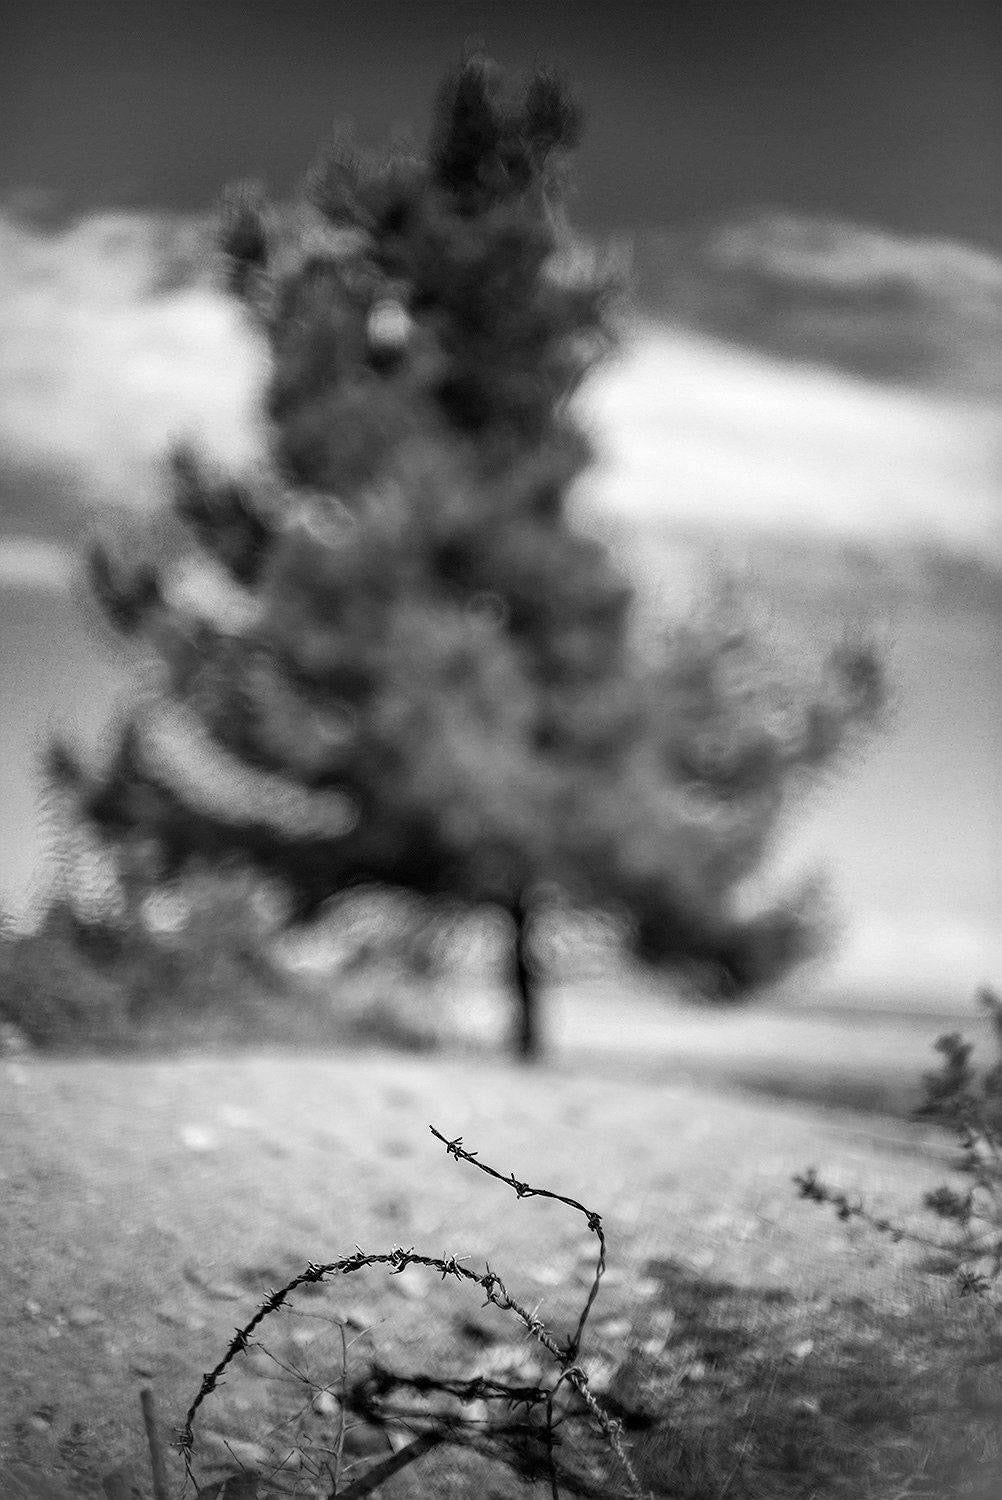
967	1103
405	666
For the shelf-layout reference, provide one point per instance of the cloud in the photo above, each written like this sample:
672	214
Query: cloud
703	433
114	344
111	349
27	562
915	310
837	256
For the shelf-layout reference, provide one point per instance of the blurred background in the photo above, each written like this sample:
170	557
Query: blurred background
810	199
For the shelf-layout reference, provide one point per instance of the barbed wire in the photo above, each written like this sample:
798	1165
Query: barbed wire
511	1442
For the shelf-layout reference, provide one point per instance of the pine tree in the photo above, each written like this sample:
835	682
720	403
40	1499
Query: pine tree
423	676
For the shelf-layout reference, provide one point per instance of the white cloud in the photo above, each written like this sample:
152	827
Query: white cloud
103	366
701	432
26	562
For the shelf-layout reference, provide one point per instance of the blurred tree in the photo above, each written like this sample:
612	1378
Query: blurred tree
417	673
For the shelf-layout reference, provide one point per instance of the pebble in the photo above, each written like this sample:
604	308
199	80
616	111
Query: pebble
222	1291
303	1336
615	1328
410	1284
235	1117
83	1317
196	1138
549	1276
647	1287
362	1317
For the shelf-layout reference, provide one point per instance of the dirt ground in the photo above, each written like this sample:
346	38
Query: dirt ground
149	1204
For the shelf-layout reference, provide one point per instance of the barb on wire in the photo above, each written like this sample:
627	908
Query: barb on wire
521	1189
365	1396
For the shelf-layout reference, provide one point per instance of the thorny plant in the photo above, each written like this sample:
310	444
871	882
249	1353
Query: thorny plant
532	1444
969	1105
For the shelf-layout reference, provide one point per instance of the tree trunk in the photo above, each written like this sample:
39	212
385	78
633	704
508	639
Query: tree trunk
527	1039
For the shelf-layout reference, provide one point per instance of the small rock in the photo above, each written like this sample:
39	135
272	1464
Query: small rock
303	1335
235	1117
33	1308
516	1362
477	1411
179	1317
802	1350
599	1372
548	1276
83	1317
197	1138
362	1317
325	1405
388	327
363	1441
412	1286
662	1322
222	1291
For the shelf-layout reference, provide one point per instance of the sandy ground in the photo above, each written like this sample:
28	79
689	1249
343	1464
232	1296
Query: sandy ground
150	1203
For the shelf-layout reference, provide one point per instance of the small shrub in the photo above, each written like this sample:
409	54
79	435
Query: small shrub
190	962
55	992
968	1104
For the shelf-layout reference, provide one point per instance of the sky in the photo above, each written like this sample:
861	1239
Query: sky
887	111
117	120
